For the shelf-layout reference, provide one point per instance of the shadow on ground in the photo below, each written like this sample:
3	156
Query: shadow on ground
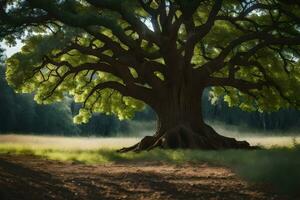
30	177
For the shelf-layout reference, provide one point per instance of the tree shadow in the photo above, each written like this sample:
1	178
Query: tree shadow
148	185
20	182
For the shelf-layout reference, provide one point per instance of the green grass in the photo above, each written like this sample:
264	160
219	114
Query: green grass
279	166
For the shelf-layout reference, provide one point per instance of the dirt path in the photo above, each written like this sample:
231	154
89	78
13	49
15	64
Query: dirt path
28	177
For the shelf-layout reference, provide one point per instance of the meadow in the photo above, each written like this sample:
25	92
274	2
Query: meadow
277	163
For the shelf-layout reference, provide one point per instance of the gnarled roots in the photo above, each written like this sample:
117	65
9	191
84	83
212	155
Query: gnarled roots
183	137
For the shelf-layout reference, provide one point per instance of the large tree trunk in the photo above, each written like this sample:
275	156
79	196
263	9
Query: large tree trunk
180	125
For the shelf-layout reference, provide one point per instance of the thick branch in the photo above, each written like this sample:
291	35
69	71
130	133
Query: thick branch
236	83
201	31
128	16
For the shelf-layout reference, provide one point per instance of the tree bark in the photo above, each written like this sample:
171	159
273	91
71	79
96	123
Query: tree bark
180	126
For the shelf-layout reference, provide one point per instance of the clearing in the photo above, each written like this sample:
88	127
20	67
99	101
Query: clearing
37	167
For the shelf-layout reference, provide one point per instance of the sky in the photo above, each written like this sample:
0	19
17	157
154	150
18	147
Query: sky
9	51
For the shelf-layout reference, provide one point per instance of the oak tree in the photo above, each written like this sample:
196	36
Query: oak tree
115	56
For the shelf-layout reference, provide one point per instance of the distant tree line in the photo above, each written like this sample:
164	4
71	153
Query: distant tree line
284	119
20	114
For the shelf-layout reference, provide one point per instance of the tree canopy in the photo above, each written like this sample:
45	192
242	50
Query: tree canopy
108	53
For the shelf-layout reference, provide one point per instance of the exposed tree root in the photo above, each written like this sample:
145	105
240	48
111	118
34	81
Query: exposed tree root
183	137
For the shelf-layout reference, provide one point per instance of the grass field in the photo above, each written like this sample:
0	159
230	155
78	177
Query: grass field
277	164
90	143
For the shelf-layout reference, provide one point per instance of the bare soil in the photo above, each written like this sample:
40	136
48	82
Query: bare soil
28	177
